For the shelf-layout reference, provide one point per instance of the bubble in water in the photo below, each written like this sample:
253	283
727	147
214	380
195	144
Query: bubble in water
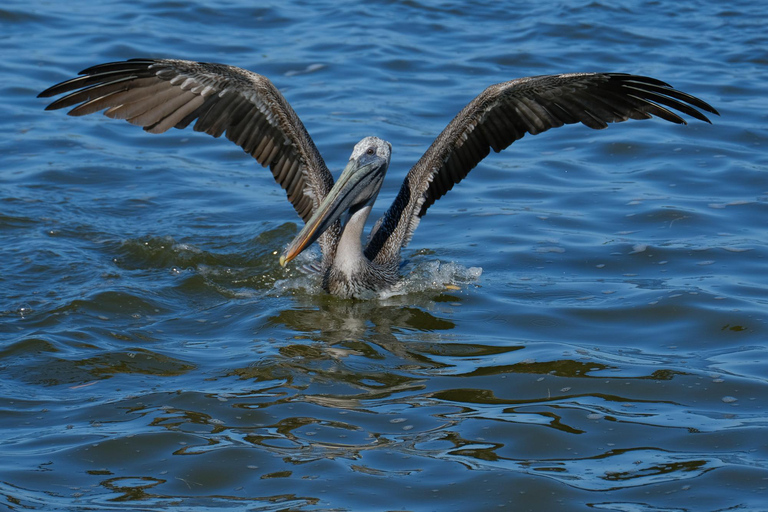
24	309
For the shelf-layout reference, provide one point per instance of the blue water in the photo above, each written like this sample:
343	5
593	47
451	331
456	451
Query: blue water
583	324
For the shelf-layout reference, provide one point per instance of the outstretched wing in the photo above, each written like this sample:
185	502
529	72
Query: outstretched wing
160	94
504	113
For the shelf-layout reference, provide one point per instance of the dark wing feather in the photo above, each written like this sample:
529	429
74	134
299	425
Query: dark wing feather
504	113
161	94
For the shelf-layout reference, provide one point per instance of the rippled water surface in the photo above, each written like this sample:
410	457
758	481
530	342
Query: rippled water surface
582	324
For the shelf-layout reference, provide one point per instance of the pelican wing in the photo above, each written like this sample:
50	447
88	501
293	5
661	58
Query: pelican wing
160	94
504	113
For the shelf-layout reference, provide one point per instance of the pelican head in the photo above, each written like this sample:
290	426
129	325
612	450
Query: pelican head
356	189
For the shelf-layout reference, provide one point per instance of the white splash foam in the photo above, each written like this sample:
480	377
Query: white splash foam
424	276
434	276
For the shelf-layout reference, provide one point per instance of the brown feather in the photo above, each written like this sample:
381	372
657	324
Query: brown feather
162	93
504	113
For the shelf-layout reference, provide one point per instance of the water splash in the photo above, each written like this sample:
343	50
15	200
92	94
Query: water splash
426	276
435	276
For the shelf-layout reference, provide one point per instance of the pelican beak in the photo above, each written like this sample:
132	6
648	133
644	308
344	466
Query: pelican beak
350	191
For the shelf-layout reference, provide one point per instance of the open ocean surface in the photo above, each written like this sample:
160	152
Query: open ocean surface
602	343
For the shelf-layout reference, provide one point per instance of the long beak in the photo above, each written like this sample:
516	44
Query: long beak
335	204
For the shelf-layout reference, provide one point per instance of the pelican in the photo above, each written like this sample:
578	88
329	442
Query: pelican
159	94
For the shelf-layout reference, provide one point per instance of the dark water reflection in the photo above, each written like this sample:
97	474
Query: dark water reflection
151	407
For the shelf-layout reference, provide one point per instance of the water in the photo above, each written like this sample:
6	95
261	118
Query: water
583	324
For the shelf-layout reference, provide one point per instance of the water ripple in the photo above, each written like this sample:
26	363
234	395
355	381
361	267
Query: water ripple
582	320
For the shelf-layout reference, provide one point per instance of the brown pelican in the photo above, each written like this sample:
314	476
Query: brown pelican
159	94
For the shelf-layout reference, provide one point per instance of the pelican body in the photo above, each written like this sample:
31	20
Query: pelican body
159	94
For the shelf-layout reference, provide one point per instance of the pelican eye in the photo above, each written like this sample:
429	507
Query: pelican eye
370	151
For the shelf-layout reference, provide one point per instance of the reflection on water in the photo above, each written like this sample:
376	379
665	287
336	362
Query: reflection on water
375	391
147	405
